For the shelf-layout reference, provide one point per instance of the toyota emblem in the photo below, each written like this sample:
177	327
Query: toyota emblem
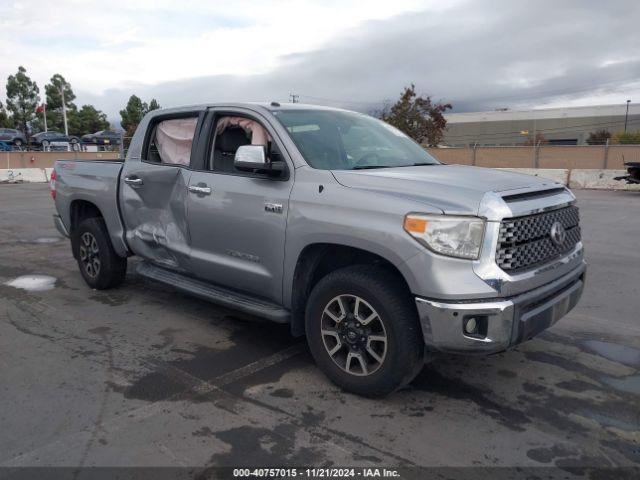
558	233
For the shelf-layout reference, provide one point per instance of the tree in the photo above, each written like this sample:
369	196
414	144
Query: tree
153	105
132	114
599	137
627	138
52	90
417	116
87	120
5	119
22	98
539	140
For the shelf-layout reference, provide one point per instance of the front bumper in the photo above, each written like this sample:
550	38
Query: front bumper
506	321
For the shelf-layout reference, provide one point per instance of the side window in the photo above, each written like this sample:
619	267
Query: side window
232	132
171	141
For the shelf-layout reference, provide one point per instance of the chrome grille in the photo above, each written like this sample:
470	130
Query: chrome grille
525	242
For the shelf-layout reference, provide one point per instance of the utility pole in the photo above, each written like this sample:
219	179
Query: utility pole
294	98
44	115
626	116
64	110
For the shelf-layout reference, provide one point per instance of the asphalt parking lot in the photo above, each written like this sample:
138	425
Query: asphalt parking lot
142	375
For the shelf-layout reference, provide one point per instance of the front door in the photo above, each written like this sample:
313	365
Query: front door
237	220
153	193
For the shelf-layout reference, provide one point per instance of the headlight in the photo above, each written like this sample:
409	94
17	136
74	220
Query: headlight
448	235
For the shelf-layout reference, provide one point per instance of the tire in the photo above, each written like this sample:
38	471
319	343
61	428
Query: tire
101	267
400	356
17	142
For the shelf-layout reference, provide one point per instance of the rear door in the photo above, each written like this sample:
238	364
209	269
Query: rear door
237	220
153	191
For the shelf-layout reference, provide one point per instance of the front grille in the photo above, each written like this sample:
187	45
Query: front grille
525	242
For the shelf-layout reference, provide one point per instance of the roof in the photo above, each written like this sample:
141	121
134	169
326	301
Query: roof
546	113
250	105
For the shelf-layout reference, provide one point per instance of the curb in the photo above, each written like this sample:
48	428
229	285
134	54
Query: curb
600	180
23	175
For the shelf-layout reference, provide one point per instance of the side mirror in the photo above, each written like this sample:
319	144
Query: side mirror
254	157
251	157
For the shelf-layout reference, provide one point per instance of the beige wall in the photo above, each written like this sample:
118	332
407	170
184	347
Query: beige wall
585	157
47	159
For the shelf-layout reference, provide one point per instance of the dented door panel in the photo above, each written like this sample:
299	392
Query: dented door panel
153	202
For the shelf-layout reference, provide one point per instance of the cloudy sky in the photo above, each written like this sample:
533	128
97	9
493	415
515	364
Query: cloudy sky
478	55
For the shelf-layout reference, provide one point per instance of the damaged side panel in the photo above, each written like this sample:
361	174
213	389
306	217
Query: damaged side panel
154	212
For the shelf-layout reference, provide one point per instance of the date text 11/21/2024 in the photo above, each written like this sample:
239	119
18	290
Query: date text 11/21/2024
315	472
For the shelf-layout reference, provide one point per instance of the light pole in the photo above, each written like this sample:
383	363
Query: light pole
64	110
626	116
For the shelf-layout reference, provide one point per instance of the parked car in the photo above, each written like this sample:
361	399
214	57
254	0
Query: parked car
332	222
44	139
5	147
103	137
13	136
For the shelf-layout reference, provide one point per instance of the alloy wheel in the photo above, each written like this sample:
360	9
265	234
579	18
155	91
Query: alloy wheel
89	254
353	335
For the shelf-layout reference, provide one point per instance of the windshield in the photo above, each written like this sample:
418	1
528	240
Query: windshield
334	140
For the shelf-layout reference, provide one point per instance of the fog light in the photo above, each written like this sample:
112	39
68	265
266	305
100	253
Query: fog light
470	325
475	326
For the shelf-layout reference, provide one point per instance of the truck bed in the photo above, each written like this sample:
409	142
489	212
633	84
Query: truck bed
94	181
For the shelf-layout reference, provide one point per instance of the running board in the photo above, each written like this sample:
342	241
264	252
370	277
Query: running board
221	296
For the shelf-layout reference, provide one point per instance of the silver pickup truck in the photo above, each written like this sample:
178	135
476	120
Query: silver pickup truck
335	223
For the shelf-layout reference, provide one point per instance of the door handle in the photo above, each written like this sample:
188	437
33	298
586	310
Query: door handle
133	181
200	189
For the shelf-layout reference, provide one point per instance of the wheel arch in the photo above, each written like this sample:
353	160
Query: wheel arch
317	260
80	210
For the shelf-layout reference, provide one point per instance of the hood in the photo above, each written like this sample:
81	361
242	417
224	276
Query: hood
454	189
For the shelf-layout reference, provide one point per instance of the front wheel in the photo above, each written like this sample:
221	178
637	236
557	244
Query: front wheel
100	266
363	331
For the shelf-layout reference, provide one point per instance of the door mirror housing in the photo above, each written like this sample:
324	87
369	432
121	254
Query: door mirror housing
254	158
251	157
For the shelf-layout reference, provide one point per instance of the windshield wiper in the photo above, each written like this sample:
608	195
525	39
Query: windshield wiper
368	167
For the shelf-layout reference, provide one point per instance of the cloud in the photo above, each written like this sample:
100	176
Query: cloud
97	46
476	55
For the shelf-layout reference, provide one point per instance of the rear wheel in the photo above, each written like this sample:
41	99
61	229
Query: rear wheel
363	331
17	142
100	266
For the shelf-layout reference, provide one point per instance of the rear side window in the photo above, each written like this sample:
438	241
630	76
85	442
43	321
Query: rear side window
172	140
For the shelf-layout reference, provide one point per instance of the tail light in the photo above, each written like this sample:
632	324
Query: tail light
52	183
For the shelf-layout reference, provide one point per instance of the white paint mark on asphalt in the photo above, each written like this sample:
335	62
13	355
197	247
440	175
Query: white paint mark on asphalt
47	239
33	283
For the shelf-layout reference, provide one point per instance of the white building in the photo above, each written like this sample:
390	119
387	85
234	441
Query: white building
558	126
